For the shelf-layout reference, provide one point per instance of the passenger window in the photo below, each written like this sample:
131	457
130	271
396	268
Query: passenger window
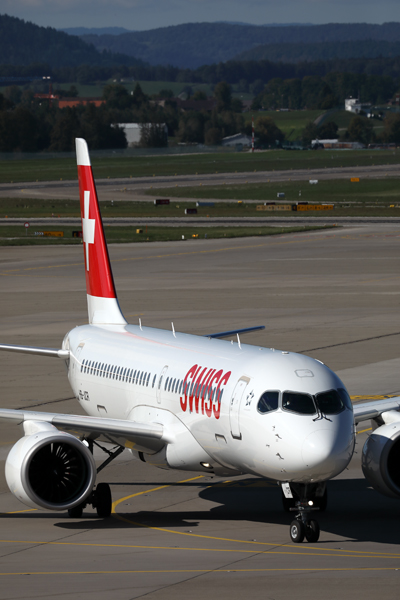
166	384
330	403
82	365
303	404
148	379
269	401
154	380
141	376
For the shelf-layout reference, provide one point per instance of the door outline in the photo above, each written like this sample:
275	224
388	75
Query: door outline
234	406
160	380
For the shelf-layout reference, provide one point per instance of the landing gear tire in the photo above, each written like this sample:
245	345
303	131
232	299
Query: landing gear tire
312	531
297	531
76	512
103	500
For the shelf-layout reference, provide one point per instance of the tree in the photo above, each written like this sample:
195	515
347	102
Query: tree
237	105
153	135
328	131
257	87
116	96
191	127
391	131
138	96
361	130
213	136
164	93
199	95
267	132
310	132
223	95
65	130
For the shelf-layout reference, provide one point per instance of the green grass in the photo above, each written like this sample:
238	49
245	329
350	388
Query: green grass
56	169
292	123
369	197
12	235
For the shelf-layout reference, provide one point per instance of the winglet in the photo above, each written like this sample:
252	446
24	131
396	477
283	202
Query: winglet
102	299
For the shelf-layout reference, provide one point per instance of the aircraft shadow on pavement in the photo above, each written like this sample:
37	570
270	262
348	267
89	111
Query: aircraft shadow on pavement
355	511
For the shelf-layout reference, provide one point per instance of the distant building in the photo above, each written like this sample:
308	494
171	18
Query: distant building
235	140
133	131
70	102
336	144
355	106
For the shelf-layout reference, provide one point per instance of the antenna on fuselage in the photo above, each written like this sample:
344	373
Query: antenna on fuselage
238	338
140	324
173	329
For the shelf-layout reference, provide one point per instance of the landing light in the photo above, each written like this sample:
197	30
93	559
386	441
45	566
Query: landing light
310	503
206	465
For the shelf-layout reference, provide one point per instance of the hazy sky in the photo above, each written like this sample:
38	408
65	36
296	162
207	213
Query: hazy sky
149	14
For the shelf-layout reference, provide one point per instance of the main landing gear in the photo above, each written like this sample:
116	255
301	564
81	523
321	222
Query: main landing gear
304	499
100	498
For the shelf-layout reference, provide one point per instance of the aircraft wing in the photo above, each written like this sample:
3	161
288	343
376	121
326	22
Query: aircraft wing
148	437
364	411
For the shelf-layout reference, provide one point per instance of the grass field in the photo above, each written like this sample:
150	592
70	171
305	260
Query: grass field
375	197
56	169
374	193
13	235
291	123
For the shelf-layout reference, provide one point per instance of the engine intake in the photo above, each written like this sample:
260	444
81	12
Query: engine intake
381	459
51	470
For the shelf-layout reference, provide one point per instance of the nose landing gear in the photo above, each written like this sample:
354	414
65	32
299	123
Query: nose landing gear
304	499
302	526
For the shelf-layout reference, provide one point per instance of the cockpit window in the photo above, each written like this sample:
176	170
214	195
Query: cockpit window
268	401
345	398
330	403
302	404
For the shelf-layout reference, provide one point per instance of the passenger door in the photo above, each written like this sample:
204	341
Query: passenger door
234	407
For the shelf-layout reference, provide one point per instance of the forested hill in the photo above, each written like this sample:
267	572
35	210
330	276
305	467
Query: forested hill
195	44
302	52
23	43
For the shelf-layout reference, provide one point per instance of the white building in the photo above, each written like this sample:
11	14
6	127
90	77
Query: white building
355	106
238	138
133	131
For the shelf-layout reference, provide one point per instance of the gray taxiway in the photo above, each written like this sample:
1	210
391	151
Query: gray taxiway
334	295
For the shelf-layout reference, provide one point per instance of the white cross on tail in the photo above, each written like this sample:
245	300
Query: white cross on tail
88	226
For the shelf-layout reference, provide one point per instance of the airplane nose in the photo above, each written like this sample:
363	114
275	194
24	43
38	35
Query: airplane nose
325	453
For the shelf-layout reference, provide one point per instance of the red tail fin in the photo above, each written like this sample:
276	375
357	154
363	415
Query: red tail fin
103	305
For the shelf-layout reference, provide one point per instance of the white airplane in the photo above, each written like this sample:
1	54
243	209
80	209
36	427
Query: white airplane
180	401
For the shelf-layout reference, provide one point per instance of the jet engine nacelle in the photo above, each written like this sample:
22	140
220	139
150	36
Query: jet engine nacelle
50	469
381	457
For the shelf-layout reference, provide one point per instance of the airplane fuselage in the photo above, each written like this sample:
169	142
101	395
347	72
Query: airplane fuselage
208	392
